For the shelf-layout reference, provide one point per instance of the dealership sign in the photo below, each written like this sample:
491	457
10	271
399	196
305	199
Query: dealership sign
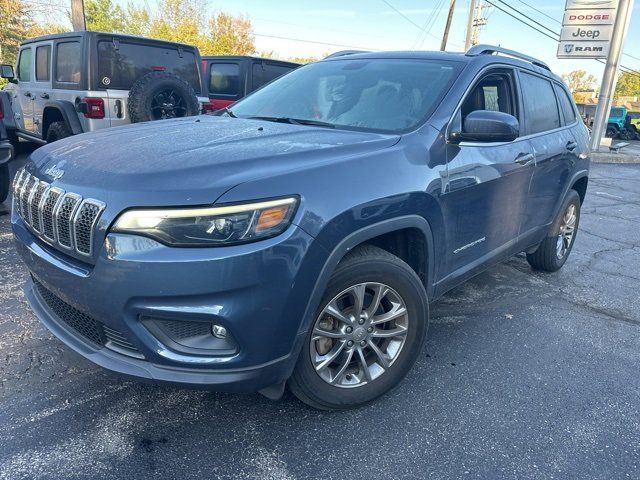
587	28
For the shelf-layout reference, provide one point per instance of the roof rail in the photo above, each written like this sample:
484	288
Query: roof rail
491	49
343	53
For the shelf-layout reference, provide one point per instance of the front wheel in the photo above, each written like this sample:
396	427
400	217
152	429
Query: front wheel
554	250
367	332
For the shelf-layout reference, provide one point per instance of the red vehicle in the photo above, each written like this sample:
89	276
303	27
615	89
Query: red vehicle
229	78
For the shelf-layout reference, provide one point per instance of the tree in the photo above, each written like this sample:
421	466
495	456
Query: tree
628	85
15	22
230	35
103	16
180	21
579	81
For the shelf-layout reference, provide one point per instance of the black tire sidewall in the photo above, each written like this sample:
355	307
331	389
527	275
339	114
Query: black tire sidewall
57	131
410	288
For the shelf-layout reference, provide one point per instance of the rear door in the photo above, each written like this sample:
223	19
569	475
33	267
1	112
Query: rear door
487	188
554	146
24	92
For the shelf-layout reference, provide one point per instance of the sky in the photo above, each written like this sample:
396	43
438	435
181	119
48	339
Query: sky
374	25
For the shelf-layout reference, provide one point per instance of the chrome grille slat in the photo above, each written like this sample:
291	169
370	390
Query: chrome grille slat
34	205
62	219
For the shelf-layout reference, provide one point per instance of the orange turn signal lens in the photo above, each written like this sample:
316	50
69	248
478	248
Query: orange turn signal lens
272	217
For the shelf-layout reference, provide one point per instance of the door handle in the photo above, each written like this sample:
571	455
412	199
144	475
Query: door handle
525	159
45	96
571	146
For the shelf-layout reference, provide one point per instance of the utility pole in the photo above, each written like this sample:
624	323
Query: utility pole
472	16
77	15
445	37
610	76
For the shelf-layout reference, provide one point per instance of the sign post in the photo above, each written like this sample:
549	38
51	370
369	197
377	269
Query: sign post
597	29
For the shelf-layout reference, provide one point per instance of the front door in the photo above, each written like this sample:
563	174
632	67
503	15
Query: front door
41	88
488	183
24	95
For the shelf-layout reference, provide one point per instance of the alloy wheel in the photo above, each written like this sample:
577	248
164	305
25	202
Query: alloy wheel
167	104
567	231
359	334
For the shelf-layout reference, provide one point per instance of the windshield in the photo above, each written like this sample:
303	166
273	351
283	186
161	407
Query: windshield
388	95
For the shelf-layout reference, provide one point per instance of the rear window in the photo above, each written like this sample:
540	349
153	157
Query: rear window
224	79
263	72
121	65
539	103
616	112
68	62
566	104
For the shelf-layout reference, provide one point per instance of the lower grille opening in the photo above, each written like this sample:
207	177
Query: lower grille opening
87	327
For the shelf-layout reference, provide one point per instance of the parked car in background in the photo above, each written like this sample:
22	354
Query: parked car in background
6	153
230	78
69	83
300	235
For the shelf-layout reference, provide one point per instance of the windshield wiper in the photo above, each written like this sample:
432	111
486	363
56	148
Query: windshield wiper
295	121
228	111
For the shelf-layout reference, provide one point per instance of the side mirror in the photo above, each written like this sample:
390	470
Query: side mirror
488	126
6	71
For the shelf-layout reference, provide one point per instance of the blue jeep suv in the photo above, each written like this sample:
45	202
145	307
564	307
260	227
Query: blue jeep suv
298	237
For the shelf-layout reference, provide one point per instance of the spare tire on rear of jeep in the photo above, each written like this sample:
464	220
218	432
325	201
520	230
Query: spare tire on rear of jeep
160	95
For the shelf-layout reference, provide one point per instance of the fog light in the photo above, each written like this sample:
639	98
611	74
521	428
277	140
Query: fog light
219	331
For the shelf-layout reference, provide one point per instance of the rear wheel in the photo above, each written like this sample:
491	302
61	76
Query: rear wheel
159	96
4	182
554	250
367	332
611	132
57	131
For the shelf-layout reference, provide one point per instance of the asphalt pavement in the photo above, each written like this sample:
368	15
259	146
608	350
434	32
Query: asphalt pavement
524	375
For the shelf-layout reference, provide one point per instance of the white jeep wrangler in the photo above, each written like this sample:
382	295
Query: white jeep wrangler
76	82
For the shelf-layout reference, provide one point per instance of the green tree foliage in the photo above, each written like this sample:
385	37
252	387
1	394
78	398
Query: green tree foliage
628	85
230	35
579	81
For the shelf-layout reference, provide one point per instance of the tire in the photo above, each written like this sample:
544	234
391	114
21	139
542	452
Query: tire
161	95
356	386
611	132
548	257
57	131
4	182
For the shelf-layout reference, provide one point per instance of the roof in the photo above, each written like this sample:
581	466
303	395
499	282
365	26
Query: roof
481	55
85	33
248	57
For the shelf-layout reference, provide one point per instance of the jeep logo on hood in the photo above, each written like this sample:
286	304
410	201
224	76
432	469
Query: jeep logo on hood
54	172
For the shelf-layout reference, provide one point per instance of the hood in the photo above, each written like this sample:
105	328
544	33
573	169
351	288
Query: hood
193	160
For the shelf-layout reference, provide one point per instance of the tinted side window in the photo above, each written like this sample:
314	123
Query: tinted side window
264	72
68	62
539	103
24	65
493	92
566	104
43	64
224	79
119	67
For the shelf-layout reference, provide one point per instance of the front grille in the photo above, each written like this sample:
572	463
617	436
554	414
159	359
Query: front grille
90	329
63	219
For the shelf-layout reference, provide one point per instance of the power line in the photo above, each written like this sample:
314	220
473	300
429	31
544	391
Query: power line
408	19
311	41
522	21
524	15
428	25
540	12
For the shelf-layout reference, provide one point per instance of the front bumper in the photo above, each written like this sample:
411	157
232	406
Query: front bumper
256	291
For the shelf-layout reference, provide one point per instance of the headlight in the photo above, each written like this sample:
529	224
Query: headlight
210	226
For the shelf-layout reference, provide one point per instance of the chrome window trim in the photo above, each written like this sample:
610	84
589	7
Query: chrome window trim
87	201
